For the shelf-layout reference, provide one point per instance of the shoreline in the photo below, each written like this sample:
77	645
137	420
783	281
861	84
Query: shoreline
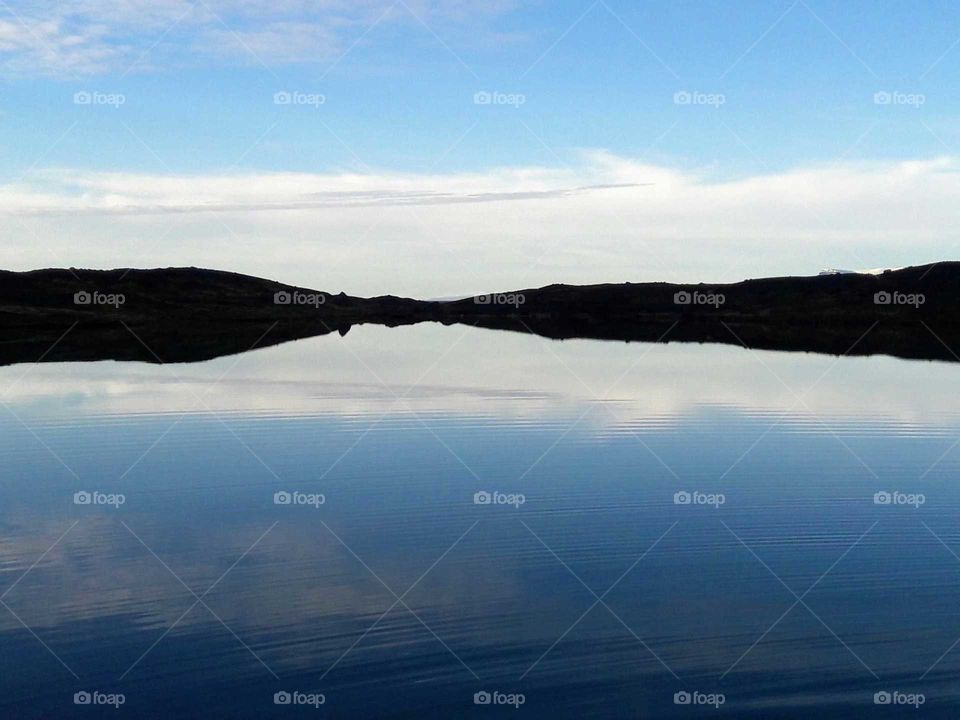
192	314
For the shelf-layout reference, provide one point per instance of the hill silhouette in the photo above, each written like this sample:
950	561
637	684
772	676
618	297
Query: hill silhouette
193	314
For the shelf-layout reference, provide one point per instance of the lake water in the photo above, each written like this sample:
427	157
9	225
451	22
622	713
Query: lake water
589	529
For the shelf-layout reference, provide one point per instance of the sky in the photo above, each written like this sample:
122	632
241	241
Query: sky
443	147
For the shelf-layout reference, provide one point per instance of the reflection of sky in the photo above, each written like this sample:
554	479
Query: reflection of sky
464	371
497	412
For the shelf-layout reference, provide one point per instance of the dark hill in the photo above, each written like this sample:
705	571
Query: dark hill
188	314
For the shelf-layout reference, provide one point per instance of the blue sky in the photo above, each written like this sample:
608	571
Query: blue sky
798	80
187	90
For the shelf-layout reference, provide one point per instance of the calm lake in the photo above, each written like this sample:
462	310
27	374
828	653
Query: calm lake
448	522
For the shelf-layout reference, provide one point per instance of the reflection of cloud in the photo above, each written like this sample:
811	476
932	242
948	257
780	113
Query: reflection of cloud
100	569
492	377
299	580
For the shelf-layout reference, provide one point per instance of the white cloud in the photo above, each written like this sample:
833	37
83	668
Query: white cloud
609	218
85	37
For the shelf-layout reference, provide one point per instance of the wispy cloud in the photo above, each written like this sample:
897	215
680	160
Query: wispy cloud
87	37
623	183
110	194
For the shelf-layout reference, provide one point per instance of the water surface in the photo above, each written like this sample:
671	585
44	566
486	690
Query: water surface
787	587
